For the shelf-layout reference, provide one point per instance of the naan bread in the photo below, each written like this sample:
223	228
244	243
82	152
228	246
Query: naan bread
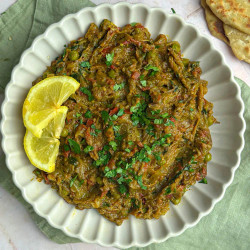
215	25
235	13
239	42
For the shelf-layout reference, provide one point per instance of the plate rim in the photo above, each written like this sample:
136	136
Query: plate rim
240	115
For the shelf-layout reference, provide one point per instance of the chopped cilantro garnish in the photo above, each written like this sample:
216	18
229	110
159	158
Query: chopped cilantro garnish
139	180
157	156
120	112
149	66
133	24
204	111
122	189
98	131
127	150
153	68
141	155
116	128
72	181
118	137
119	170
93	134
88	114
66	147
154	112
204	181
78	115
161	141
109	59
192	161
88	149
173	11
95	130
143	83
130	143
113	144
119	86
64	52
134	203
121	180
191	109
37	172
109	173
167	135
133	109
114	117
187	168
85	64
135	120
141	77
168	190
146	159
150	130
87	92
158	121
105	116
165	115
104	156
169	122
106	147
139	114
149	151
75	147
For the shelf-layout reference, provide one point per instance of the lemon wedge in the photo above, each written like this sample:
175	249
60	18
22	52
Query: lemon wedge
42	152
44	118
44	101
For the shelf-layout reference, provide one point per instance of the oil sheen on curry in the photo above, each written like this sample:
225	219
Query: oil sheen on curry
137	134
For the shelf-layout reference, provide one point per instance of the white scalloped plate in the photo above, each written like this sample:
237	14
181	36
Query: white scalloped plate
227	137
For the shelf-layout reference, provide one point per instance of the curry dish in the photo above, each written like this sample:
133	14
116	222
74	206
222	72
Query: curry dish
137	134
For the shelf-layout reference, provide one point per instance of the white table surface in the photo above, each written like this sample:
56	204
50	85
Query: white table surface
17	230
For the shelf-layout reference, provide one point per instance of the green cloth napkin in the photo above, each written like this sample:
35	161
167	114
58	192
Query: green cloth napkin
226	227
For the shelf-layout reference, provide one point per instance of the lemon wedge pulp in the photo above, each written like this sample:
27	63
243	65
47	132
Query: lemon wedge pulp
44	101
44	118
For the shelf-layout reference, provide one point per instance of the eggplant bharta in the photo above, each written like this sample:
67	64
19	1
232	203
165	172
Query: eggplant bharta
137	134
